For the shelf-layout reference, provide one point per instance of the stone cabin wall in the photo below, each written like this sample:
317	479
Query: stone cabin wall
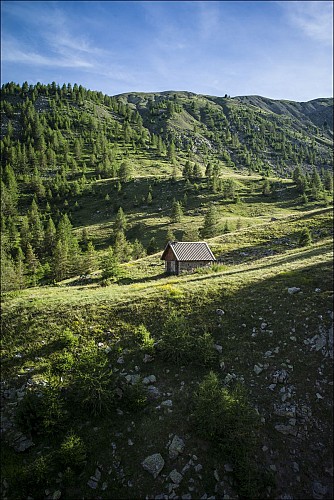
191	265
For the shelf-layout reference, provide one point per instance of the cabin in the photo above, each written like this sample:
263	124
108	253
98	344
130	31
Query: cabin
186	256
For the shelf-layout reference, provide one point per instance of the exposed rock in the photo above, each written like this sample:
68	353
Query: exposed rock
168	403
147	358
149	380
218	348
153	392
132	379
92	484
286	429
175	476
318	490
21	442
280	376
198	467
120	360
56	495
176	447
293	290
154	464
220	312
258	369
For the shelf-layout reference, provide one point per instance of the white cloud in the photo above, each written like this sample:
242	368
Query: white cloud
314	18
11	51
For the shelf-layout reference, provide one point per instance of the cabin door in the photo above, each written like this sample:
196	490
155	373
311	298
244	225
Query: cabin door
171	267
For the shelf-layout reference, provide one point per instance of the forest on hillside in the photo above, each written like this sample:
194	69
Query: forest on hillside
63	148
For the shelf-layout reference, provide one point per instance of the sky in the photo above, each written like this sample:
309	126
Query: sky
276	49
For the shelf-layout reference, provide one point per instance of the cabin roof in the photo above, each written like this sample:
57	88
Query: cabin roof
189	251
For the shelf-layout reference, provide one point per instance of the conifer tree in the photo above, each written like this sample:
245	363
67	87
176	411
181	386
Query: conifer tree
110	265
138	250
89	260
176	212
50	236
120	221
210	221
152	246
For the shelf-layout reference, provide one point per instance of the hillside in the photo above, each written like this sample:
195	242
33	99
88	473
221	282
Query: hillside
119	381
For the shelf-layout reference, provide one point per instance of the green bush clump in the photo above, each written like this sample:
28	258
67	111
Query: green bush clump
305	238
42	412
143	336
72	452
38	472
179	345
226	418
134	397
68	339
61	362
93	382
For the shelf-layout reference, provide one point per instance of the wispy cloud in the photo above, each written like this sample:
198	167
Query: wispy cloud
314	19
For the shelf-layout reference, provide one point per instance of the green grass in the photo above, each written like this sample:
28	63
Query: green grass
251	289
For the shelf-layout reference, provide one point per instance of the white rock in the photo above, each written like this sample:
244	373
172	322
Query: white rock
293	290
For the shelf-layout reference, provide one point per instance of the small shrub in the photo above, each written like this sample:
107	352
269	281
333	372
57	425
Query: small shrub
176	342
29	413
38	472
144	338
68	339
179	345
61	362
134	397
226	418
305	238
72	452
93	380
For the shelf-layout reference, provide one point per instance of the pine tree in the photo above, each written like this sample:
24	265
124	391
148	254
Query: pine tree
33	265
210	221
120	221
138	250
60	261
152	246
170	236
176	212
110	265
122	248
50	236
89	259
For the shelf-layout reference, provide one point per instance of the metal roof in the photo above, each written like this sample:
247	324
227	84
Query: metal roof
190	250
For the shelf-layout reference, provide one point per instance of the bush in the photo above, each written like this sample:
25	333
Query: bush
61	362
68	339
29	413
38	472
144	338
305	238
226	418
93	380
134	397
179	345
72	452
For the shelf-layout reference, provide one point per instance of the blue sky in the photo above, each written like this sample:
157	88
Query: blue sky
277	49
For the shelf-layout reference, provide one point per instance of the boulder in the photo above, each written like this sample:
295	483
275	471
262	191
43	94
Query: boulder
175	476
176	447
154	464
